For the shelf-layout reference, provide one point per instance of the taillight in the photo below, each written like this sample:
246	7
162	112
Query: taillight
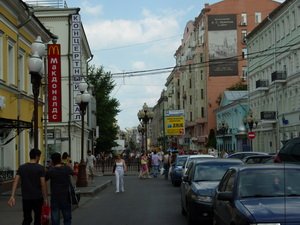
277	159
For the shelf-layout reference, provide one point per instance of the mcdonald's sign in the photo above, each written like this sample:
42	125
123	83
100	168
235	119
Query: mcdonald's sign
54	83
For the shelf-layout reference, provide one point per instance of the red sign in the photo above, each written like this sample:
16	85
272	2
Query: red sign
54	83
251	135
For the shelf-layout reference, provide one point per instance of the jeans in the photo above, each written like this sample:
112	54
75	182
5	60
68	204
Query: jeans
30	205
155	170
119	180
65	208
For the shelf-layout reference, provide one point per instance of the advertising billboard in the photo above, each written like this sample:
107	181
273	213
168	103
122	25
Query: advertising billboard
222	44
174	122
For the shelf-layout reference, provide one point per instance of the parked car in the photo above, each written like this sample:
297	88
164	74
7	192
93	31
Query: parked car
258	194
177	169
198	187
290	152
241	155
252	159
192	158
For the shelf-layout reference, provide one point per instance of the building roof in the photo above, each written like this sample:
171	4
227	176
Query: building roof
235	95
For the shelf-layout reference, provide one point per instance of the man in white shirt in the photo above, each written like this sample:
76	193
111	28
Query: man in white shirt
90	162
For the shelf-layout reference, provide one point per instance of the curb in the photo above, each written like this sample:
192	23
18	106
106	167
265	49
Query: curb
95	190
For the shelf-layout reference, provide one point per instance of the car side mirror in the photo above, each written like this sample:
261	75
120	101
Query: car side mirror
185	178
225	196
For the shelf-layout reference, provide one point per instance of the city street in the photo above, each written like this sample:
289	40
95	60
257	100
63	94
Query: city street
147	202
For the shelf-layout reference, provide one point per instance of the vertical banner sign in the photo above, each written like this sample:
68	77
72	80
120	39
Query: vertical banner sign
54	83
174	123
76	61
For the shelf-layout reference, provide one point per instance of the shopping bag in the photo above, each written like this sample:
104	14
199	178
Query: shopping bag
45	215
74	195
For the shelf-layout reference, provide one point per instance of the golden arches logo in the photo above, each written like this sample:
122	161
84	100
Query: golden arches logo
54	49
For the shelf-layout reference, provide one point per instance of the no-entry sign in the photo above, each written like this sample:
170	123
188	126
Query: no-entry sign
251	135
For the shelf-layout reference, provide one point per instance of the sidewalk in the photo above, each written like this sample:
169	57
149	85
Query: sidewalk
13	216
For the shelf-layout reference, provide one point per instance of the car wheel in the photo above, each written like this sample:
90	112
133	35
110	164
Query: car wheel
214	221
183	212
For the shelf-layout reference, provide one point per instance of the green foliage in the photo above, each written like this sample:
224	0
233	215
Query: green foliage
240	86
212	141
107	108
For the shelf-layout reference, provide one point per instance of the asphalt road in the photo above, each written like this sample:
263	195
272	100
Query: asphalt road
145	202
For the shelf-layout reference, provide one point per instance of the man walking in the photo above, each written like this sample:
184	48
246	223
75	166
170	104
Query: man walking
90	162
60	180
33	188
155	163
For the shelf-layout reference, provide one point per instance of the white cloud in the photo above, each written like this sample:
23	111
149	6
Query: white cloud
138	65
91	9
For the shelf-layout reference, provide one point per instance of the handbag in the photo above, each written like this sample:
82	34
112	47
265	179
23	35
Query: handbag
45	214
74	195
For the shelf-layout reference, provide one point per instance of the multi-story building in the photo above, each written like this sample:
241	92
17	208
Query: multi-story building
274	76
19	28
212	58
64	130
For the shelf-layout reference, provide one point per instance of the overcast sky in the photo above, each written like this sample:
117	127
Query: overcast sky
135	35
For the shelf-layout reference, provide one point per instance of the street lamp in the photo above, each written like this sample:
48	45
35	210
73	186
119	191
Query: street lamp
223	128
141	130
82	100
36	67
145	115
251	122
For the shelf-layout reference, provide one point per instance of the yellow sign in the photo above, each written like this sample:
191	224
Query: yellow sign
174	122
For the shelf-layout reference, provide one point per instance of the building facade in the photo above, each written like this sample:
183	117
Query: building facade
274	76
212	58
19	28
64	134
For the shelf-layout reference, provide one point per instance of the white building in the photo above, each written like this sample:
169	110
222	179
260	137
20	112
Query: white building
65	135
274	77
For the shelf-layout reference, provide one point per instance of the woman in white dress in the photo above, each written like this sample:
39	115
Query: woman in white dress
119	170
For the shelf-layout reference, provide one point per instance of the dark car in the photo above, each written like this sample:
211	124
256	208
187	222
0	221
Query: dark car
252	159
177	170
258	194
241	155
290	152
198	187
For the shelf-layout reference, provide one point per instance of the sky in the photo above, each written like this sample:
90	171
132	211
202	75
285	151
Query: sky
136	35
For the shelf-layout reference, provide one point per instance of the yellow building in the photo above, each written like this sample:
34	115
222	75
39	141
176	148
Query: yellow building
18	30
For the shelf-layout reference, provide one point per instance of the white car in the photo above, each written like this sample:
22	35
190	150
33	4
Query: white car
192	158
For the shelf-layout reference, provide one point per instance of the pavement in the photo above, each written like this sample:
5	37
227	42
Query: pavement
14	215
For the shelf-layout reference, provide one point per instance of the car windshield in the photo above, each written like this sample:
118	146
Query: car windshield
269	183
209	172
181	161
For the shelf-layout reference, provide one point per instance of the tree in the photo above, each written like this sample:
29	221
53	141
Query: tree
212	142
107	108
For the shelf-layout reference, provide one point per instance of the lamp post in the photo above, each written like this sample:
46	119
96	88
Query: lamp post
223	128
82	100
36	67
251	122
145	115
141	130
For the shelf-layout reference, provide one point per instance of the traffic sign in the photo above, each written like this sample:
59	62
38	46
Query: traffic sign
251	135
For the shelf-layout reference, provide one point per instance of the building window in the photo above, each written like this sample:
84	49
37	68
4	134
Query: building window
201	57
202	112
201	74
243	19
244	75
293	22
190	83
244	34
21	70
178	82
202	94
190	68
258	17
1	55
11	62
191	116
191	102
244	53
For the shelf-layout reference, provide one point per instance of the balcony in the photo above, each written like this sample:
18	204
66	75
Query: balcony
279	76
262	85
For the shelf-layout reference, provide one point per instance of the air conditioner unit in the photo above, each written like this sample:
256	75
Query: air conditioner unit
243	23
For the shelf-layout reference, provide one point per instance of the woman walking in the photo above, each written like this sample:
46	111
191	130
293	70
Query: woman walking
144	166
120	168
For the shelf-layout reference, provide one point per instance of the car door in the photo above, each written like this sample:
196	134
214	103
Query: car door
186	185
223	209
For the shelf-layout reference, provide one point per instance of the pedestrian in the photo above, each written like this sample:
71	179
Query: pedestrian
60	180
166	165
90	163
66	159
144	173
33	188
119	170
155	163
